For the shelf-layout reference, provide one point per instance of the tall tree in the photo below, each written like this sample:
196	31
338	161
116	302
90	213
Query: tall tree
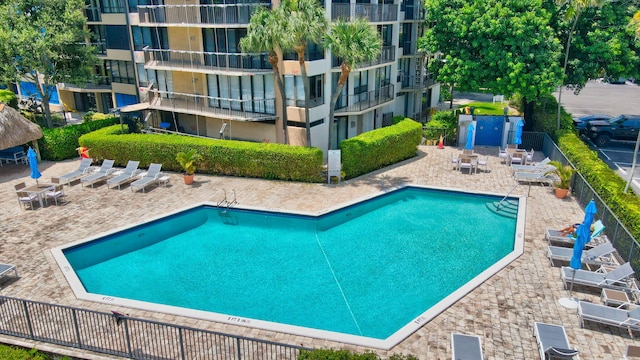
352	42
489	45
308	23
574	9
268	31
44	42
635	23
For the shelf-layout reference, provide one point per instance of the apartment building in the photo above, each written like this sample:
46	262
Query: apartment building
177	65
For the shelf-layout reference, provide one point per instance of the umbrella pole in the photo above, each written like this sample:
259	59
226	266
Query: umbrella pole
571	286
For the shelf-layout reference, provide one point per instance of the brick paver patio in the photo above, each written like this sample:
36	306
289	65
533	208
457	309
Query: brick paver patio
502	310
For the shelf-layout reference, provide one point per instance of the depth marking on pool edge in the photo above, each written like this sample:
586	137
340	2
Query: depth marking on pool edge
420	320
238	320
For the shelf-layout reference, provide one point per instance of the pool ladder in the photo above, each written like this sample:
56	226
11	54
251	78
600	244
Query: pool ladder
225	204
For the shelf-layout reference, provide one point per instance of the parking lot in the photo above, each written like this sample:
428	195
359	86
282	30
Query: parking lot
609	99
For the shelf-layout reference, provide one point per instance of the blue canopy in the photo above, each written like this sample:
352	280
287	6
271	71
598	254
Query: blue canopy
517	139
583	235
469	144
33	164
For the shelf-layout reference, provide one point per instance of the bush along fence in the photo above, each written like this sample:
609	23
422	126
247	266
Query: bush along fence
62	143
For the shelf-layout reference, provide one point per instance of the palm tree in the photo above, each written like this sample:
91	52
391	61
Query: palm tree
574	10
354	43
306	19
268	32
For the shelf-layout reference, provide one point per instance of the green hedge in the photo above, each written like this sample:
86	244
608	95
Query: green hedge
8	352
604	181
332	354
61	143
9	98
228	157
378	148
447	120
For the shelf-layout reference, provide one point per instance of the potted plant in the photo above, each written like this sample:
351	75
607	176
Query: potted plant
564	173
187	161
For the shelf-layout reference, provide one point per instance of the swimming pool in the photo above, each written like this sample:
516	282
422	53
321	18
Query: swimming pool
369	273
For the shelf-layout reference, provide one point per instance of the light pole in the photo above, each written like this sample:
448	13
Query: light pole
633	164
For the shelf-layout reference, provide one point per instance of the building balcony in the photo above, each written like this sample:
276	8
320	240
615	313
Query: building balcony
222	108
360	102
387	55
204	61
373	12
413	83
197	15
413	12
99	84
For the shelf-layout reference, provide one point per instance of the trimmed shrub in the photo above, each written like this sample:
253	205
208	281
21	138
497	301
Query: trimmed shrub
219	157
61	143
9	98
381	147
332	354
446	120
604	181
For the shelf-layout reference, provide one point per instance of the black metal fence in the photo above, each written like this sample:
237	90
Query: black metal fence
627	246
120	335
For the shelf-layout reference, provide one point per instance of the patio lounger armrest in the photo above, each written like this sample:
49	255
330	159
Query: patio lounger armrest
560	352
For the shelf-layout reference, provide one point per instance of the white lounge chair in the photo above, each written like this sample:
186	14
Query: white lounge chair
152	176
607	315
597	238
466	347
102	174
6	268
128	174
532	177
596	255
83	169
616	278
553	342
540	167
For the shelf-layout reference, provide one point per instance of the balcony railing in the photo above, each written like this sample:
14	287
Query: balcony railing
373	12
98	83
387	55
308	55
364	101
413	12
409	47
101	47
195	15
199	60
416	82
223	108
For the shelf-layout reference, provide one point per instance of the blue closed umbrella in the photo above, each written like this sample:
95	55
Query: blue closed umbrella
469	144
517	139
33	164
583	236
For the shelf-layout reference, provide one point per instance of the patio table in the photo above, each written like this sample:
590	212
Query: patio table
38	190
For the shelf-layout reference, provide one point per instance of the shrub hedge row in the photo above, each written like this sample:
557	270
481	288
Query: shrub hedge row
333	354
229	157
378	148
61	143
604	181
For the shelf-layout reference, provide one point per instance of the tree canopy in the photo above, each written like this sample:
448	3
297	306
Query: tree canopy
504	46
603	44
45	42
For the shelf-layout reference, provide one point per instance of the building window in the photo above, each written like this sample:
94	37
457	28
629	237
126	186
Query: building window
117	37
154	38
112	6
98	38
121	71
246	93
92	10
386	32
294	90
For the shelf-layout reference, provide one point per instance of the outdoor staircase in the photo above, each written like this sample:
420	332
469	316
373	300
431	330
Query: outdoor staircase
507	208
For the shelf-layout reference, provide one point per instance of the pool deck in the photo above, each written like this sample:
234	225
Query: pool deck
502	310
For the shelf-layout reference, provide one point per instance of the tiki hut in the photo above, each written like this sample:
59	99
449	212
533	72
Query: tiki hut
16	130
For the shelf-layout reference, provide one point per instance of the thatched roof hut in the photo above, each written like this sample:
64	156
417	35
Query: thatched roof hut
15	129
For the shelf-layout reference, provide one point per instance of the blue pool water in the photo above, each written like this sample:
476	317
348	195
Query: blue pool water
366	270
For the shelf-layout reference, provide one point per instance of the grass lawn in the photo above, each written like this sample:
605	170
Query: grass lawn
487	108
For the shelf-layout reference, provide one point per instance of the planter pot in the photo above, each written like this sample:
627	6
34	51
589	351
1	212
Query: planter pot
561	193
188	179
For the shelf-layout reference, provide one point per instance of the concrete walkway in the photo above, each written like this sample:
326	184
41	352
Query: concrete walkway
502	310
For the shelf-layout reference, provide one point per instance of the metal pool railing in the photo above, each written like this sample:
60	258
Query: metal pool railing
120	335
627	246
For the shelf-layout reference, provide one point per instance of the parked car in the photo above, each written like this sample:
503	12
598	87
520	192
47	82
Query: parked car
622	127
581	122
